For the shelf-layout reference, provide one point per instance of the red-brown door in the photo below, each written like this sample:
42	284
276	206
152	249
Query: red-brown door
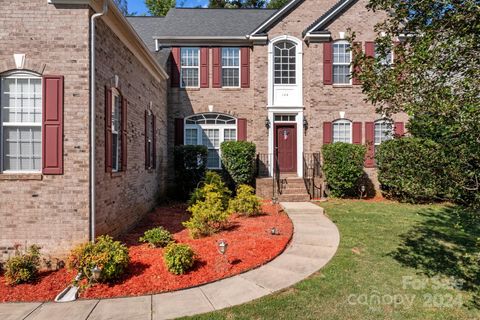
286	146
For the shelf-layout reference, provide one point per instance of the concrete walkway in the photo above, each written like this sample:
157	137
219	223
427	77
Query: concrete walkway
315	241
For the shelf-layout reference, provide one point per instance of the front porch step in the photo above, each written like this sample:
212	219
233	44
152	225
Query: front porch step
294	197
290	190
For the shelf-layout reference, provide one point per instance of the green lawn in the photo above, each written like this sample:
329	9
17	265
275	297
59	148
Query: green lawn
381	268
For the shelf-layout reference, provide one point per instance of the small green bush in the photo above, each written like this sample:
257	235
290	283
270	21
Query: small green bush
23	267
157	237
208	216
238	160
343	167
110	256
216	184
246	202
190	166
412	170
179	258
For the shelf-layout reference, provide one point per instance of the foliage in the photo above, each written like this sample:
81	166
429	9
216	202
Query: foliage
122	6
216	184
108	255
179	258
209	215
343	167
411	169
238	160
246	202
236	4
159	7
190	167
277	4
23	267
435	79
157	237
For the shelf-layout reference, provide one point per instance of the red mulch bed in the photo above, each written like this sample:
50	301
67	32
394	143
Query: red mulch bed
250	245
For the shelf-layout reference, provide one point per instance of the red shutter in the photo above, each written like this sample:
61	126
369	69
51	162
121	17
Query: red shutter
147	151
245	71
242	129
216	68
357	133
369	142
399	129
327	63
327	132
175	67
154	142
357	49
370	49
52	126
178	131
124	134
204	68
108	129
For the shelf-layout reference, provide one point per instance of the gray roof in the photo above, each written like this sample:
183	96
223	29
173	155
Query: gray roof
201	22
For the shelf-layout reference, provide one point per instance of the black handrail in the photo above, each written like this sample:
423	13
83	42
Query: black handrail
311	171
277	184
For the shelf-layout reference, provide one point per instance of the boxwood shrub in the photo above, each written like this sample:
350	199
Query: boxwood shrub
238	161
412	170
179	258
23	267
343	167
190	167
157	237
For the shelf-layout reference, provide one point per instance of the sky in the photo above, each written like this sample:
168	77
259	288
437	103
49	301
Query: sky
138	6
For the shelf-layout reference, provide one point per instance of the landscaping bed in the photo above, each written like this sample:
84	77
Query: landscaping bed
250	244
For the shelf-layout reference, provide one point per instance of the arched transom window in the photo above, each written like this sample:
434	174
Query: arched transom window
210	130
284	62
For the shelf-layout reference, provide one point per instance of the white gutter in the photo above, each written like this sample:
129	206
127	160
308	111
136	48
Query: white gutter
92	118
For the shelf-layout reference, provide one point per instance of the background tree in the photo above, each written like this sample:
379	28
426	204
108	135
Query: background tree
276	4
159	7
235	4
435	80
122	5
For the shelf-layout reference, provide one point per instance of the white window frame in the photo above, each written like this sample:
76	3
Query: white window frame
221	134
116	161
382	122
182	67
343	122
20	75
233	67
281	70
349	64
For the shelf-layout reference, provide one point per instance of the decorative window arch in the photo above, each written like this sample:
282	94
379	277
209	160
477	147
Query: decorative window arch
21	121
210	129
284	62
342	131
342	58
383	131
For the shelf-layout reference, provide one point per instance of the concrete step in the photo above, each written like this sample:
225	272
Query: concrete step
290	190
294	197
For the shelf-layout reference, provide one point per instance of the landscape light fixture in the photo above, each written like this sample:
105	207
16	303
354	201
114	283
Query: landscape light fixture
222	246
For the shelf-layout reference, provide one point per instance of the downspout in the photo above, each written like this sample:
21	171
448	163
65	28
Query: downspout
92	118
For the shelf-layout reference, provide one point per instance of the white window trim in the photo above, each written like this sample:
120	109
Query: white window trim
296	61
20	75
342	121
239	67
116	93
190	67
382	121
350	81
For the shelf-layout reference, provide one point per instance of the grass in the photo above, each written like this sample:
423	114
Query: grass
395	261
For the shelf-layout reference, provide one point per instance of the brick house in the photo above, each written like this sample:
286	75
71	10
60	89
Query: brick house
46	166
279	78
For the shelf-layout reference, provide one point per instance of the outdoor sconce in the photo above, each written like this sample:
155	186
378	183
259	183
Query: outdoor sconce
267	123
222	246
274	231
96	273
305	123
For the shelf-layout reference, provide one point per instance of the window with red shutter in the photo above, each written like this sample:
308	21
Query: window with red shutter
175	67
245	73
108	129
179	131
327	132
369	142
204	68
216	68
124	135
327	63
357	133
242	129
357	50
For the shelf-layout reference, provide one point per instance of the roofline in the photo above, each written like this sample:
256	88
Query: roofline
276	16
166	41
341	5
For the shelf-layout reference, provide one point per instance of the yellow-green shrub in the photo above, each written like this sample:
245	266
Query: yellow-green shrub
216	184
246	202
179	258
157	237
23	267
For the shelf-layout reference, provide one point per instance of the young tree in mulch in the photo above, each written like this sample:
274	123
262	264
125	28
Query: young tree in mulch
435	79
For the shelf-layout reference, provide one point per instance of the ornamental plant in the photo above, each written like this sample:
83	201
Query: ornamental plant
157	237
343	167
214	180
179	258
108	255
23	267
190	166
246	202
208	215
238	161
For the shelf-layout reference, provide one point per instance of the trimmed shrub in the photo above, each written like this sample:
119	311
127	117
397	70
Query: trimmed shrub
246	202
179	258
238	161
343	167
209	215
217	185
411	169
190	167
108	255
157	237
23	267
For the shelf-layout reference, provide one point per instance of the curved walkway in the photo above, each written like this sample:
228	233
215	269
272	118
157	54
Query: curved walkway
314	243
